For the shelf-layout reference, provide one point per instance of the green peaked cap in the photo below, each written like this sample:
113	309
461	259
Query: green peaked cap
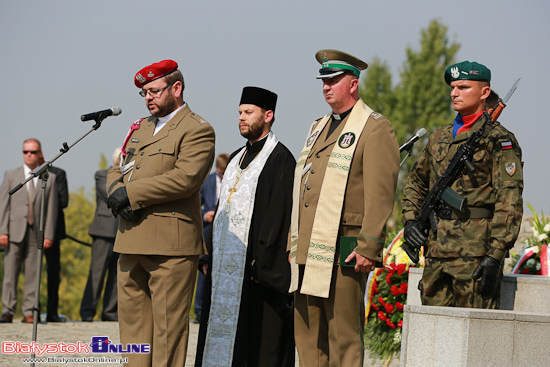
334	63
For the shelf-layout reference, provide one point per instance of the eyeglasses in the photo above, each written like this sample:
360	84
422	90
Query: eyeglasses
153	93
31	151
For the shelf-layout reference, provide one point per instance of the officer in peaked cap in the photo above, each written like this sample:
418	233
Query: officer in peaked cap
344	188
334	63
463	260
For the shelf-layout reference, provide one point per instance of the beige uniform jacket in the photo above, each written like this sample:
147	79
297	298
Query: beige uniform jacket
165	181
370	192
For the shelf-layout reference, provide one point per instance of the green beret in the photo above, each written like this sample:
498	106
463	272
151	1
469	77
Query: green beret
334	63
467	70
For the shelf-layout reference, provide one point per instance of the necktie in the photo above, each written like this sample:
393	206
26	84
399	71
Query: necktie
30	190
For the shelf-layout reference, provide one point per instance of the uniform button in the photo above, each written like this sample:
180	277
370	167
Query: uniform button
306	205
318	155
173	213
312	171
309	187
142	153
140	203
137	167
160	149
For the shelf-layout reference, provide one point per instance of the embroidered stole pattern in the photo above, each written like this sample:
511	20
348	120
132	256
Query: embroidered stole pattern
230	242
322	243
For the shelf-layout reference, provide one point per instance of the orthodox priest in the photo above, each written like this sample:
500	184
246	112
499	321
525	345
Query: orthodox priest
246	318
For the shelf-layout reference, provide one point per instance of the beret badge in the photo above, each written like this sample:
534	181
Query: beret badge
454	72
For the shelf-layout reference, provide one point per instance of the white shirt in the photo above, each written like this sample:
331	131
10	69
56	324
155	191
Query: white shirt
27	172
164	119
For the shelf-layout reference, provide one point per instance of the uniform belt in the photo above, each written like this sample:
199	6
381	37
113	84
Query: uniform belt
469	213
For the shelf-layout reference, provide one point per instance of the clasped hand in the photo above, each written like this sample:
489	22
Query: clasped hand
119	204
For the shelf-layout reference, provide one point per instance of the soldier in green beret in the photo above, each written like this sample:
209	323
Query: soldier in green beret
464	257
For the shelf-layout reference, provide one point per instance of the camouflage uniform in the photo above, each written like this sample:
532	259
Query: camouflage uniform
454	252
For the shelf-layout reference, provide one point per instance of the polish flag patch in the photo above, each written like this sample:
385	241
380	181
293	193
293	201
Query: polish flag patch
506	145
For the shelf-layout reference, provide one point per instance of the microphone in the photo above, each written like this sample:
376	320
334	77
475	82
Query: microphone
100	115
409	143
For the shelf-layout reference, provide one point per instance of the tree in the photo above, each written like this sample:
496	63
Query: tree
421	99
376	89
103	163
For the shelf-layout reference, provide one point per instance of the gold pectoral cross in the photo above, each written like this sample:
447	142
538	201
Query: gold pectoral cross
232	191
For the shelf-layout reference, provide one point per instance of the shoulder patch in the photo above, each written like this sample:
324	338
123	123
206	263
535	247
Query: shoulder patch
506	145
376	115
511	169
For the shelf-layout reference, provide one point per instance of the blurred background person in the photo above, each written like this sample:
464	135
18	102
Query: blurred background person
19	224
103	231
210	192
53	254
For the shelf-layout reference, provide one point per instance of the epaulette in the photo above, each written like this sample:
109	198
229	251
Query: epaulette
198	118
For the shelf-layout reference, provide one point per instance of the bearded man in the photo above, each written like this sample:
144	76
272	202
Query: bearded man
246	318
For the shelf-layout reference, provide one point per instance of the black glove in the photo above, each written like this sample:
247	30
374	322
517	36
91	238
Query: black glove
129	215
489	271
118	200
414	235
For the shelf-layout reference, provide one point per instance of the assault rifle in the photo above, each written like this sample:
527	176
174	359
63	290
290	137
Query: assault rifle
441	192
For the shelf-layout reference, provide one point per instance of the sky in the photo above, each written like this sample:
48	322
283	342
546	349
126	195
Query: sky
61	59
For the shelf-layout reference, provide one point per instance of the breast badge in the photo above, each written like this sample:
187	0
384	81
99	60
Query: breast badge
346	140
312	138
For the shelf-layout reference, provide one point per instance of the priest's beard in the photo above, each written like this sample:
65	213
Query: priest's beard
255	129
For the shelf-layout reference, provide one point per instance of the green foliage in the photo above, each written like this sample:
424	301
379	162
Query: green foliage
421	99
385	319
376	89
103	163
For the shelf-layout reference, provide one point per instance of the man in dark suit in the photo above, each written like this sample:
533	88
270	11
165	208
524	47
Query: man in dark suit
53	254
210	192
19	224
103	231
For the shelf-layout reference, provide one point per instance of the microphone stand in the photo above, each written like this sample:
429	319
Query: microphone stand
42	173
409	152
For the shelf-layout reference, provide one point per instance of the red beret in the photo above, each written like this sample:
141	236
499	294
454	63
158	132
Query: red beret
155	71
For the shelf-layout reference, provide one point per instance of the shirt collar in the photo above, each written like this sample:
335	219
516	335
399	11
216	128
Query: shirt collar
164	119
341	116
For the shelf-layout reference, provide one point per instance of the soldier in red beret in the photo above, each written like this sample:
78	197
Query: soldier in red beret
155	193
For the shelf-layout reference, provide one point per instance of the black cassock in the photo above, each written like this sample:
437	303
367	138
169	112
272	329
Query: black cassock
265	332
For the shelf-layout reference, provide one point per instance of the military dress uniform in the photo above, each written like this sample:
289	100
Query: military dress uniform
162	174
368	202
344	185
489	226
